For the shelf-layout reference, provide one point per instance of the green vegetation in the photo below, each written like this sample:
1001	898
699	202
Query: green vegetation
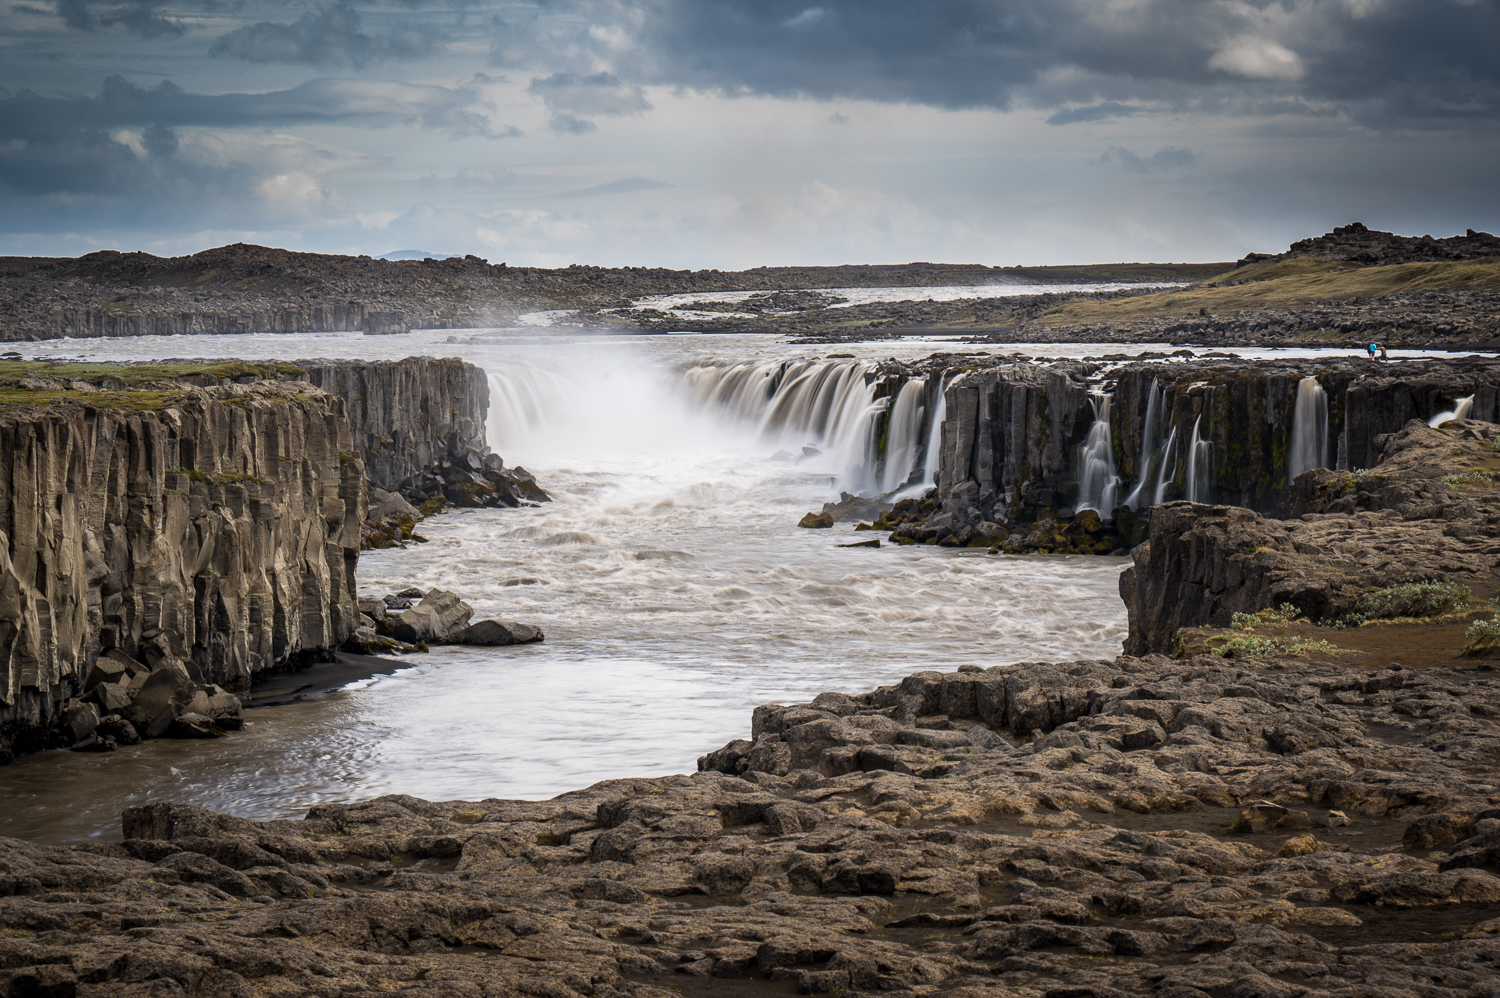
1268	646
1288	283
1409	601
130	387
234	478
1483	636
1286	613
1474	476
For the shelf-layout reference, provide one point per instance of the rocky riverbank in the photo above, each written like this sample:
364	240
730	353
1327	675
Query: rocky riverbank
175	531
1194	827
161	537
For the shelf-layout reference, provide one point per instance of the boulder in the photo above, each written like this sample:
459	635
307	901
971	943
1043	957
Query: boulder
496	632
78	721
163	696
117	729
110	698
220	707
816	521
439	615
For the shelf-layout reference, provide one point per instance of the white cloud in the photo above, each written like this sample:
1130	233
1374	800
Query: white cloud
1258	59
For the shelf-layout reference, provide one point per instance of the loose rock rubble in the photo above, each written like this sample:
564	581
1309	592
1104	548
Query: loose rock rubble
1142	826
411	620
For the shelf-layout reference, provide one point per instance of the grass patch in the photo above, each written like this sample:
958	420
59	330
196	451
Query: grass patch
120	384
234	478
1410	600
1287	283
1474	476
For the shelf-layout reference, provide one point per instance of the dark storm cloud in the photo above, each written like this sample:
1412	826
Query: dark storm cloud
139	18
1379	59
122	154
331	36
122	104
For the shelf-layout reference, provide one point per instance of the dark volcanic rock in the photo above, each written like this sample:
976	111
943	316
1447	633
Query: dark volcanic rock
1066	829
1371	247
1353	533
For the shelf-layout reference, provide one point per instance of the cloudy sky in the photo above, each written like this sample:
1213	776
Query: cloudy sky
734	133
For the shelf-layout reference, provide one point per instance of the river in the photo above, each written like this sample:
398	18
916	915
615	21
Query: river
674	588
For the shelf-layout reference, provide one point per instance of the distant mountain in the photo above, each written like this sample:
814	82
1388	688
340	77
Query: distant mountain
418	255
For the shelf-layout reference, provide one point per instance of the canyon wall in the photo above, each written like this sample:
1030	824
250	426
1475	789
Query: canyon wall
218	525
1008	438
409	416
1011	433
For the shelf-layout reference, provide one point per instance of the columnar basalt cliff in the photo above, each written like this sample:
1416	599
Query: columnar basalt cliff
217	526
1008	438
409	416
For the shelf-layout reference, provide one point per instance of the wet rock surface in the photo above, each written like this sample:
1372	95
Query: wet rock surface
1142	826
411	620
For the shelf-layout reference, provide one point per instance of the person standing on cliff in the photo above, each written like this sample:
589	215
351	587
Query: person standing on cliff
1382	352
1372	351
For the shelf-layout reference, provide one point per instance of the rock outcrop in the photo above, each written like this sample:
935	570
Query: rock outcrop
1373	248
210	530
1142	826
1428	510
419	426
409	416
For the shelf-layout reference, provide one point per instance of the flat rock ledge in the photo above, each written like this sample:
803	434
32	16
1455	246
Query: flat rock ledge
1183	828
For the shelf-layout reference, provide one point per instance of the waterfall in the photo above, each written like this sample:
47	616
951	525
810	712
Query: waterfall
1199	480
1309	442
1094	467
930	457
1150	434
1166	472
901	437
1460	410
830	404
522	400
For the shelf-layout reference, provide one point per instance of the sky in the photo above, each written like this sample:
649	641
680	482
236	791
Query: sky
741	133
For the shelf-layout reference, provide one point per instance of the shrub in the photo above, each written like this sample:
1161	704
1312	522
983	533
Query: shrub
1410	599
1483	635
1283	614
1266	646
1474	476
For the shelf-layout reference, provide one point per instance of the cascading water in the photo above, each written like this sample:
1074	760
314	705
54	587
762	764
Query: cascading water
1309	443
1199	481
1150	434
1166	472
830	404
1460	410
1094	467
903	435
935	435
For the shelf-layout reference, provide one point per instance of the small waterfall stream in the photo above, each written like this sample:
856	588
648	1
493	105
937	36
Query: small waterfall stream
1199	481
1150	436
902	438
935	435
1308	447
1094	467
1460	410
